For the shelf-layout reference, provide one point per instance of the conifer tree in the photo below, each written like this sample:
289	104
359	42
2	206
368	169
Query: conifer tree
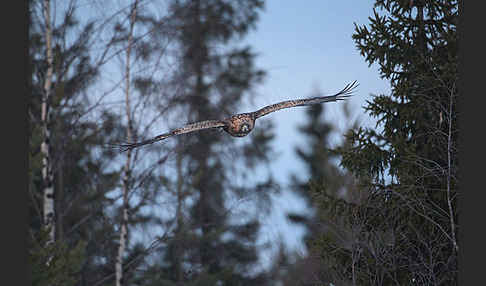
206	247
325	188
317	155
417	147
403	229
320	162
418	144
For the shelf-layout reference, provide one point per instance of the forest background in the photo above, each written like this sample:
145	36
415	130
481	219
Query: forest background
373	189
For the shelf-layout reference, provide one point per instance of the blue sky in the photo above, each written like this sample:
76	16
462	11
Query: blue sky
304	45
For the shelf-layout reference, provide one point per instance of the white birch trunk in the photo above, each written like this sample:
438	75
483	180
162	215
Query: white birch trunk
47	176
179	219
449	176
127	168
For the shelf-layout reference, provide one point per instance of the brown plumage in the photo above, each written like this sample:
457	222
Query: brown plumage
240	125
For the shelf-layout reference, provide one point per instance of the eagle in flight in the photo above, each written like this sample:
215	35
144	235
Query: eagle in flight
240	125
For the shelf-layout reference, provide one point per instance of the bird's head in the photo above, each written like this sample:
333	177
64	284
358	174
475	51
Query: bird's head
240	125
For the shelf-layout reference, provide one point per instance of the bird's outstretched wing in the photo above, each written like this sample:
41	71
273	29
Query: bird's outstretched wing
186	129
343	94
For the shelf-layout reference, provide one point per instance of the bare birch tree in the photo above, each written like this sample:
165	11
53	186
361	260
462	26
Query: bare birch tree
449	172
72	116
127	167
47	177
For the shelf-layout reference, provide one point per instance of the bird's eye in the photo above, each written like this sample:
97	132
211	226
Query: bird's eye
245	128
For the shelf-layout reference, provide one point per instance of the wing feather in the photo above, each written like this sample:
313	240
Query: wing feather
191	127
343	94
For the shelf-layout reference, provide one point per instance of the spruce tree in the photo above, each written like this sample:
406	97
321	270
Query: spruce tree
325	189
418	144
403	228
416	49
317	154
206	246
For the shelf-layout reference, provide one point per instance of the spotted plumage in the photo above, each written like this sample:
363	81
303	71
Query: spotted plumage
240	125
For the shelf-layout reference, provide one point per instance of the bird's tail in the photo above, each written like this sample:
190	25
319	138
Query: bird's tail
347	91
123	147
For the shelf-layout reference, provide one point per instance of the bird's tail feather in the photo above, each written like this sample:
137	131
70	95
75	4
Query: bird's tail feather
125	146
347	91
